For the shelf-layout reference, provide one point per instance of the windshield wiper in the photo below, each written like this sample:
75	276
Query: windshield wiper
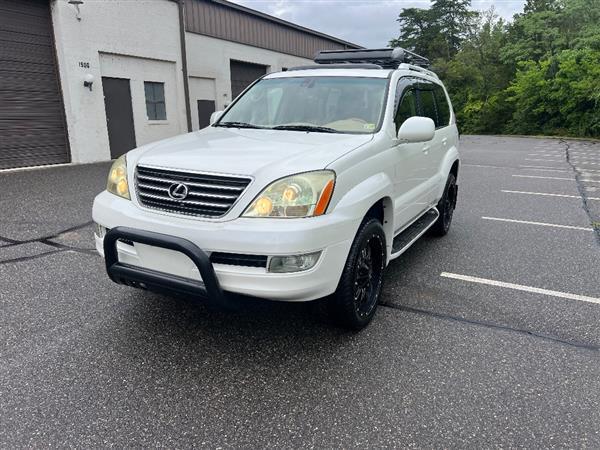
305	128
237	125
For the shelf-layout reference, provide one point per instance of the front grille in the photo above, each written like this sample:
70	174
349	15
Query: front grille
237	259
208	195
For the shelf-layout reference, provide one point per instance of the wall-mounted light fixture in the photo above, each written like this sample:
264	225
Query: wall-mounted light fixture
88	80
76	3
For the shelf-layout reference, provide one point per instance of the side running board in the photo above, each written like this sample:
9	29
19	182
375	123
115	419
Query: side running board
409	235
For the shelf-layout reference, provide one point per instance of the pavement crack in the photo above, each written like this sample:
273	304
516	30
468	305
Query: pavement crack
492	325
29	258
46	240
87	251
582	192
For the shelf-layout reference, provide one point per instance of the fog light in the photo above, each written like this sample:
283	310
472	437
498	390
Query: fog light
101	231
293	263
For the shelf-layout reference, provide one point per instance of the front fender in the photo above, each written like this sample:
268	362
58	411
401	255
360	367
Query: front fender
356	201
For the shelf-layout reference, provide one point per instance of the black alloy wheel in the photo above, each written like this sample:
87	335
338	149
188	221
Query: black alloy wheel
355	301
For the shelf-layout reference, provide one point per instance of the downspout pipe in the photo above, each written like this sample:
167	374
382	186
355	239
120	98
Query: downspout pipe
186	81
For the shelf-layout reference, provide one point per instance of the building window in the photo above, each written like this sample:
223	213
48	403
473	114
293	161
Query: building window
155	100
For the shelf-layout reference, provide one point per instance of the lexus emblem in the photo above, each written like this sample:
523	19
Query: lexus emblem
178	191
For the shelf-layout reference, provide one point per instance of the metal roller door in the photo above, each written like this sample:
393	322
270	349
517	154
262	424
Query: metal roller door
243	74
32	125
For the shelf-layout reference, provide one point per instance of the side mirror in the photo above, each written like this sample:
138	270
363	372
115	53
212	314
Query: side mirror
215	116
416	129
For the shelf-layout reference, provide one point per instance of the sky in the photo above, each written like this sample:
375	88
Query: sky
370	23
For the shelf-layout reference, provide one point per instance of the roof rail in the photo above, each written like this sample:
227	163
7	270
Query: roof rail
418	69
387	58
337	66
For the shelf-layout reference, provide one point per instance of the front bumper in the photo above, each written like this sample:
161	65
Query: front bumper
331	234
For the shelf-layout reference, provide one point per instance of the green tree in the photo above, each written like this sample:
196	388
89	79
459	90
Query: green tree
436	32
559	95
538	74
539	5
419	31
454	21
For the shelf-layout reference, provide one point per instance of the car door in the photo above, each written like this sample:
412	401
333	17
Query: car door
409	159
431	149
446	133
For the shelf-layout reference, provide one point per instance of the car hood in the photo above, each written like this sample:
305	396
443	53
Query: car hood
248	151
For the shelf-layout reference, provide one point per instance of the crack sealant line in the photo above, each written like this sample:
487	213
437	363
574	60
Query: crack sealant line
29	258
13	242
87	251
57	246
491	325
582	191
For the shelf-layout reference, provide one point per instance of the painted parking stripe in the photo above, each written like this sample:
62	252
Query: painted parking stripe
541	224
544	178
546	170
555	178
521	287
550	168
559	154
546	194
537	166
482	165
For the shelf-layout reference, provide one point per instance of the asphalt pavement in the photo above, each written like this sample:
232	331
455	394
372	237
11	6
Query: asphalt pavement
488	337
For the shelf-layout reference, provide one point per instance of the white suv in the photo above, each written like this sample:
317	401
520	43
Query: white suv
306	187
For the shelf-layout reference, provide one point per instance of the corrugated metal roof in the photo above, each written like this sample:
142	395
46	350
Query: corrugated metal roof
230	21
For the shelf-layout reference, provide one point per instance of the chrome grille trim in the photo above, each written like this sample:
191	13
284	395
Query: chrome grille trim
209	195
191	183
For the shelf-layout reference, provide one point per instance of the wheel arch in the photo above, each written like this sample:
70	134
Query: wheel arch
383	210
454	168
451	164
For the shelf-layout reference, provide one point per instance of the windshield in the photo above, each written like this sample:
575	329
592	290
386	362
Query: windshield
321	104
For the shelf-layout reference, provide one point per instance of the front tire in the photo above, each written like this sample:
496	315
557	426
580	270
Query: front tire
354	303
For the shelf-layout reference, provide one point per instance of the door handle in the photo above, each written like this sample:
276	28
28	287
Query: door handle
426	149
444	141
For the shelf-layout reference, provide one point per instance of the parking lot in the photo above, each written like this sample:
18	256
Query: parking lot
487	337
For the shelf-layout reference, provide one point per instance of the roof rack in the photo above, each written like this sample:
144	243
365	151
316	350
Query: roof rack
387	58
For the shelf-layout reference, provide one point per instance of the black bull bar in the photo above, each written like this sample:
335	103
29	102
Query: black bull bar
141	277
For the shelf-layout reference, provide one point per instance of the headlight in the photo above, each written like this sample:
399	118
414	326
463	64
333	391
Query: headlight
117	178
302	195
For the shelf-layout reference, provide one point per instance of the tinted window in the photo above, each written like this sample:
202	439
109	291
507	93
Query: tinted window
407	108
155	100
443	109
427	103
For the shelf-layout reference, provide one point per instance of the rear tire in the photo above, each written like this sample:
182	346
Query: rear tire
446	207
354	303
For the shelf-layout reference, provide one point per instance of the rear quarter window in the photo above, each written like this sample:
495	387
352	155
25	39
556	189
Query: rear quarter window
443	109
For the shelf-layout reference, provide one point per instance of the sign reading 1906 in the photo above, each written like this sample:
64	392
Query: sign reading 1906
85	65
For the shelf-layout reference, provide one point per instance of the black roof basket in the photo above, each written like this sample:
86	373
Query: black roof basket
387	58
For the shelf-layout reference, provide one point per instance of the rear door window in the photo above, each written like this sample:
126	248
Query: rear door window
427	104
